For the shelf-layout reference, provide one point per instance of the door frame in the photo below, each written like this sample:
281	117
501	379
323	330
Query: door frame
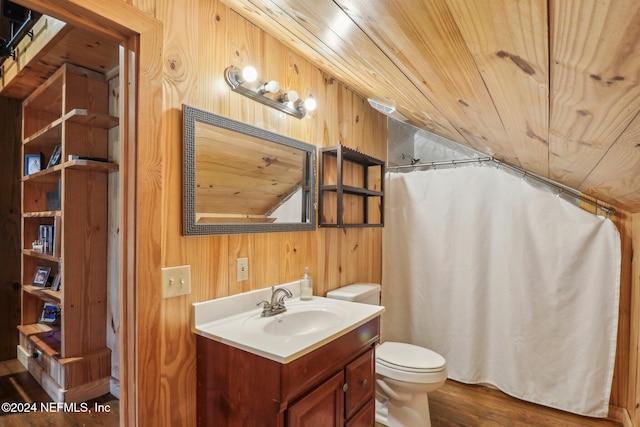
140	36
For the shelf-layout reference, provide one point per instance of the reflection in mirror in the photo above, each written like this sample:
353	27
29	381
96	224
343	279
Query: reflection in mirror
242	179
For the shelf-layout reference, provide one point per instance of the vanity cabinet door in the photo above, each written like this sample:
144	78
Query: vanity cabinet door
366	417
322	407
360	377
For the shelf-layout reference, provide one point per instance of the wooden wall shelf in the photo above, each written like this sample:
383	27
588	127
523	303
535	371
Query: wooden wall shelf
71	361
45	294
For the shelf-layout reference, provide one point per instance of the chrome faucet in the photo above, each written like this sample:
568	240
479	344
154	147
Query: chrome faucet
276	305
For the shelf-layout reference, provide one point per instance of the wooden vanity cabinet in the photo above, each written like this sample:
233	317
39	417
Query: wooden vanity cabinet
331	386
324	406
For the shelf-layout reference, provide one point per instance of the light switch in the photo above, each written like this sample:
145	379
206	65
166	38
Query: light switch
176	281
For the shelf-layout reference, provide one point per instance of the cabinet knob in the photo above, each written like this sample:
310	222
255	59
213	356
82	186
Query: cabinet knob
345	387
365	382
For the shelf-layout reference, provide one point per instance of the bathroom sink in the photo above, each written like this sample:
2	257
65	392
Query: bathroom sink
298	320
301	323
284	337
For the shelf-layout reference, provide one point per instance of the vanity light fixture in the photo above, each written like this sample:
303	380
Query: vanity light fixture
246	82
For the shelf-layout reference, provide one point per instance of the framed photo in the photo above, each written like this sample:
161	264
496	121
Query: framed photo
55	285
32	163
41	276
55	156
50	314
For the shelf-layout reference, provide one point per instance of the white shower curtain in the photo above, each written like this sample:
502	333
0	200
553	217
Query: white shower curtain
514	286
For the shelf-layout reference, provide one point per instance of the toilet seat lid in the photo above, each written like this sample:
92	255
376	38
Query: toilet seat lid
409	357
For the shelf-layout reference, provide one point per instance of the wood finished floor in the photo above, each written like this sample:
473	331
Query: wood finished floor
453	405
18	386
456	404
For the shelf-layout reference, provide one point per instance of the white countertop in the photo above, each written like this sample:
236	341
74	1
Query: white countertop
236	321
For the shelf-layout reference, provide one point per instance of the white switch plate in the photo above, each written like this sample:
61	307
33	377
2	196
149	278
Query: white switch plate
242	269
176	281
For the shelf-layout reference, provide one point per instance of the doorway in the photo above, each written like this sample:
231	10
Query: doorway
10	210
9	226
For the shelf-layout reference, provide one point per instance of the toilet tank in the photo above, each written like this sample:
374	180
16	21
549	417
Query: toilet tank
365	293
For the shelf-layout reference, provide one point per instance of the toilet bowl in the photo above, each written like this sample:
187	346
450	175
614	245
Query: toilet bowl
405	373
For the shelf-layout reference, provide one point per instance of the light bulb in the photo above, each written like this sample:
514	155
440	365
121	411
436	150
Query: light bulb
310	104
271	87
249	74
291	96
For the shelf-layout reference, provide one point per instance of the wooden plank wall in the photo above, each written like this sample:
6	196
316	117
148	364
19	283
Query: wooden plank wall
633	398
620	387
113	240
10	170
201	39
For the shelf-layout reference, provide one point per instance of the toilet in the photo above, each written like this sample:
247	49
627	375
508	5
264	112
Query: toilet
405	373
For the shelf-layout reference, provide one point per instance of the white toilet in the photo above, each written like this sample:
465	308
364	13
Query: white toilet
404	372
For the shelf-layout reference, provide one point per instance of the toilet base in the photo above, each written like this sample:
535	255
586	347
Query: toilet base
382	412
403	414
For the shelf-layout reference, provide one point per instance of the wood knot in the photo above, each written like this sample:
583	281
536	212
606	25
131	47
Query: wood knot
521	63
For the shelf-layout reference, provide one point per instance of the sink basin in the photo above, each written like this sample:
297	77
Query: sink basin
301	323
305	326
297	320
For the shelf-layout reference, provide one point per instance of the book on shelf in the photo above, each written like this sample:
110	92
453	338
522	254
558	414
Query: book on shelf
57	223
53	198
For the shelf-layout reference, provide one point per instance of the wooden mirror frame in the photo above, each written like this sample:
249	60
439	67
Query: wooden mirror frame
191	115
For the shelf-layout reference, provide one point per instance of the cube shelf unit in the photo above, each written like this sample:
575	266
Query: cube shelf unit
69	359
351	189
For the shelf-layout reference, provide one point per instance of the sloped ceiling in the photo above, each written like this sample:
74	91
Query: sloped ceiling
547	85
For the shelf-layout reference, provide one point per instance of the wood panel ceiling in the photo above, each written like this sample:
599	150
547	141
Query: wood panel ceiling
52	44
547	85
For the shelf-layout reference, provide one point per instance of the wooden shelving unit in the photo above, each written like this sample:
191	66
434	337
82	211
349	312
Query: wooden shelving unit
351	189
70	359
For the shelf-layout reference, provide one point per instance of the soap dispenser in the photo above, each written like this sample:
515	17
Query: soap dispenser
306	286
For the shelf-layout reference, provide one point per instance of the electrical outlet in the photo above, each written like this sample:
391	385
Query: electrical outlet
176	281
242	269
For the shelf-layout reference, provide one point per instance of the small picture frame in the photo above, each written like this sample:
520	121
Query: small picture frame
55	285
55	156
41	276
50	314
32	163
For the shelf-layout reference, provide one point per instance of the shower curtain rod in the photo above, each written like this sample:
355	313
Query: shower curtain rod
560	188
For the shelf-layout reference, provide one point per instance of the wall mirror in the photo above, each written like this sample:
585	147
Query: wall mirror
242	179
